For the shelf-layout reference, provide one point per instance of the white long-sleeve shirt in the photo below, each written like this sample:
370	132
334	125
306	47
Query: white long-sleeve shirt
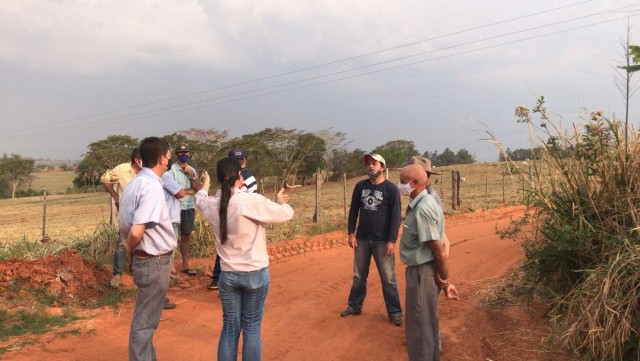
246	247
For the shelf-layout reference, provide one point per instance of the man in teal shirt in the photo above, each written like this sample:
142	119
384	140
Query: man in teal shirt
187	177
423	251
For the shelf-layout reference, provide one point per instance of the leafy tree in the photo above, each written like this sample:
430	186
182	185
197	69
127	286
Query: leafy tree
349	163
634	52
464	157
311	156
284	152
396	152
433	156
278	145
258	154
623	79
334	141
101	156
15	170
5	188
206	146
447	157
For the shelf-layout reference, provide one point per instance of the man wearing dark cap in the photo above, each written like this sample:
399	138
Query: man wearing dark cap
375	205
186	176
249	185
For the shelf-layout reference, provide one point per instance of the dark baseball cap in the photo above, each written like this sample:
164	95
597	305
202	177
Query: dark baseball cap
182	149
237	153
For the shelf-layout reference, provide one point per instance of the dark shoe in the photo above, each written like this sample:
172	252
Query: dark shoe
168	305
213	285
190	272
396	320
349	312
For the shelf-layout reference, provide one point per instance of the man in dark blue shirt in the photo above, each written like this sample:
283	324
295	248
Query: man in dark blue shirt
375	204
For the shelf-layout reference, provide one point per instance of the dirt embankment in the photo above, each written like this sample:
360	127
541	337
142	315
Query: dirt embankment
310	281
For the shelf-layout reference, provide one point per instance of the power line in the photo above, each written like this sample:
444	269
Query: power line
192	105
354	76
318	66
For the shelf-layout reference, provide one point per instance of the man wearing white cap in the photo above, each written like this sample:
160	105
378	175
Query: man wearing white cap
375	205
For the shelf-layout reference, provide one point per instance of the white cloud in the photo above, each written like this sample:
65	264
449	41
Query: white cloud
91	36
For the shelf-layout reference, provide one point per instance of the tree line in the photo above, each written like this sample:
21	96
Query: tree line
278	153
275	153
521	154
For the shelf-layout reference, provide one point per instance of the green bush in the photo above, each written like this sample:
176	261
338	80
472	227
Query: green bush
583	247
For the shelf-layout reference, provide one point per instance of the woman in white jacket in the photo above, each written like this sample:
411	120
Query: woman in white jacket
237	219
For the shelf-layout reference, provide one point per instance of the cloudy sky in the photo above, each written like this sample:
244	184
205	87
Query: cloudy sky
439	73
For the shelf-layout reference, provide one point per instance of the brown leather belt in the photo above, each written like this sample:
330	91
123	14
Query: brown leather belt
143	254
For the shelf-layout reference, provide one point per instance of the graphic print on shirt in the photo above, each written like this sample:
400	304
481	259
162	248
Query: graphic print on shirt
371	201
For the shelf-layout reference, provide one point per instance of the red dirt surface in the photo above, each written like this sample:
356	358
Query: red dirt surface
310	282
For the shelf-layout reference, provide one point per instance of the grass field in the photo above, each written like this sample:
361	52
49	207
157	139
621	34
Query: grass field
74	216
54	182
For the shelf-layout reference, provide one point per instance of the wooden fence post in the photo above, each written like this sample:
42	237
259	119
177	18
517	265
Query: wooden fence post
458	190
344	194
454	188
44	216
504	200
486	190
316	215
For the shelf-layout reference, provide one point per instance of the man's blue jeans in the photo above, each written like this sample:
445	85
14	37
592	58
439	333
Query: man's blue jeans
119	257
243	295
386	269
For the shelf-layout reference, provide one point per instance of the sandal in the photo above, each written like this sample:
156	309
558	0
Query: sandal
190	272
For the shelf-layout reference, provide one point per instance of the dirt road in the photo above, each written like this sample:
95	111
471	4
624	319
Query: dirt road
308	292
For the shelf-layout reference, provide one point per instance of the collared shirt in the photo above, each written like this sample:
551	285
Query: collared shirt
119	176
171	188
186	202
246	247
424	222
143	202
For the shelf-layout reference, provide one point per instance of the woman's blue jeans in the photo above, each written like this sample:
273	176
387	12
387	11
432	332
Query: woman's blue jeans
243	296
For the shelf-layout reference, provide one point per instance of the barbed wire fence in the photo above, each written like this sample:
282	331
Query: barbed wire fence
459	191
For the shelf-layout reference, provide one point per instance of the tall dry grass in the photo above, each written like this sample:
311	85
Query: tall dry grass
584	248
